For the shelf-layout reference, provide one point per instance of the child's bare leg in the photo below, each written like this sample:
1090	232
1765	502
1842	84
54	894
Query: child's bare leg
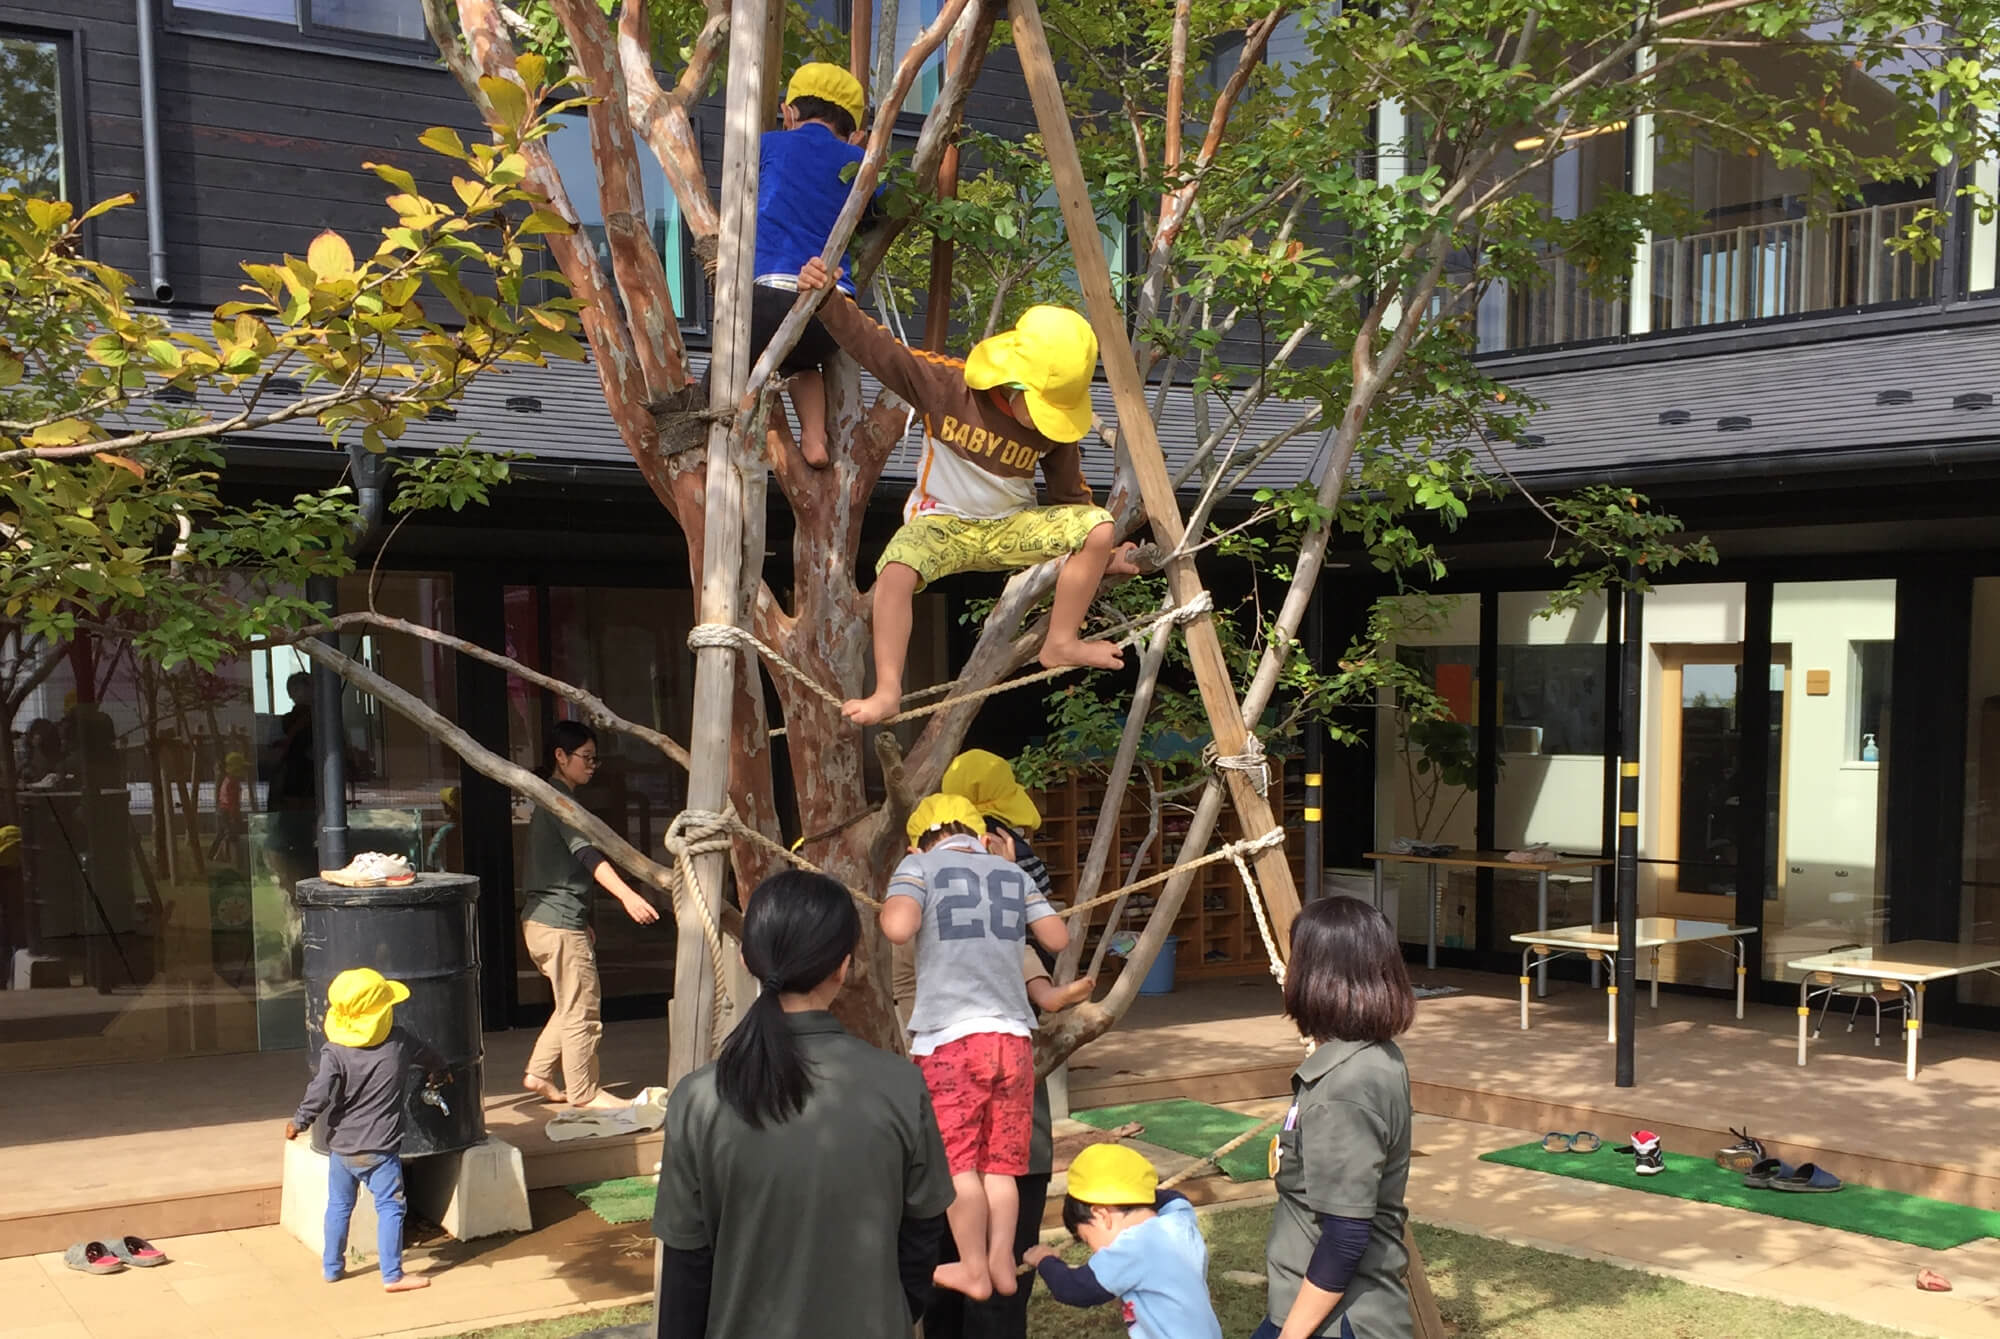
970	1273
895	594
1075	587
1003	1207
809	403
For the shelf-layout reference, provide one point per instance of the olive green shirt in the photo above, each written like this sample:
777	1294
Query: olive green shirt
555	887
1344	1150
803	1216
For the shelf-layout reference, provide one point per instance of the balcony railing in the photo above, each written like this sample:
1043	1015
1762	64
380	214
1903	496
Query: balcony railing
1779	269
1729	274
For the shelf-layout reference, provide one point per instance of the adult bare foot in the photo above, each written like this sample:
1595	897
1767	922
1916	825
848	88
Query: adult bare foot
963	1278
602	1102
543	1089
409	1283
1094	655
1122	564
871	710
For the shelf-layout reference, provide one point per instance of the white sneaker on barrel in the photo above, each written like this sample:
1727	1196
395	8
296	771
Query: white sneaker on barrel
371	869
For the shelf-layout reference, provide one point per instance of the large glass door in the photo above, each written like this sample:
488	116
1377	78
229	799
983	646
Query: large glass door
1702	805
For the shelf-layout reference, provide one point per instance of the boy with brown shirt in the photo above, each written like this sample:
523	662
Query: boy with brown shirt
1021	399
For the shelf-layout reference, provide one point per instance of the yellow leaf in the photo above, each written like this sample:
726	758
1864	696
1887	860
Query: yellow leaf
330	256
444	140
509	103
533	69
63	432
546	221
126	463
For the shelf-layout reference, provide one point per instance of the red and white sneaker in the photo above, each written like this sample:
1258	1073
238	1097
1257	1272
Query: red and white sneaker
1647	1159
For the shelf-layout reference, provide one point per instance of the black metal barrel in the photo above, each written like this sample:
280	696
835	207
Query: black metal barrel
423	935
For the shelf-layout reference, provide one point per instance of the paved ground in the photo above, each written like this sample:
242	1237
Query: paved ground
258	1283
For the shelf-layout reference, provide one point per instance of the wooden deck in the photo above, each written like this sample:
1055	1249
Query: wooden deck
177	1147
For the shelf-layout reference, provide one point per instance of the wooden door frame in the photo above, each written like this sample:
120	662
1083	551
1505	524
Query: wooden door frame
1674	657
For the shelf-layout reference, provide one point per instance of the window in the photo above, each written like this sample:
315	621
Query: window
1868	671
912	17
31	118
1112	228
570	147
394	20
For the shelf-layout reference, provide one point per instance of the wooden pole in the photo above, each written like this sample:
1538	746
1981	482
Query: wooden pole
1142	443
691	1016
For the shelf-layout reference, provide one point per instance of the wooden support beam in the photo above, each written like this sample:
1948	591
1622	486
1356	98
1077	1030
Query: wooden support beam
1141	440
691	1018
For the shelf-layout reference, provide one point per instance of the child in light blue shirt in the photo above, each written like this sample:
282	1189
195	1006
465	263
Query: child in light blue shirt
1147	1251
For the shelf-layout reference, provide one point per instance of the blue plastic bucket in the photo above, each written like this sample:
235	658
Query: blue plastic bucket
1160	976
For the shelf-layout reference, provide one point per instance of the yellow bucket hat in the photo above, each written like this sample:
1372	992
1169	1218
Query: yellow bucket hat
987	779
1112	1174
10	846
360	1004
1051	354
828	83
934	811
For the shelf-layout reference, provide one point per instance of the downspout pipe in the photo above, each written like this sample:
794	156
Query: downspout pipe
149	135
371	474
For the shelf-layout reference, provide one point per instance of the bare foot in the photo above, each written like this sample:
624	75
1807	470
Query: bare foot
963	1278
1095	655
872	710
1003	1270
409	1283
1122	564
814	451
543	1089
602	1102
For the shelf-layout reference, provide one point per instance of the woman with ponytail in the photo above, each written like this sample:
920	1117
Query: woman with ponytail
805	1182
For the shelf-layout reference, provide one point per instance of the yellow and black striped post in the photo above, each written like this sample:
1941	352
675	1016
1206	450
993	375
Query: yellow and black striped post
1625	974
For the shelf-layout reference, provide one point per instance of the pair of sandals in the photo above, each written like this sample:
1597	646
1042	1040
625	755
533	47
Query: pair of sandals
1583	1141
114	1256
1805	1179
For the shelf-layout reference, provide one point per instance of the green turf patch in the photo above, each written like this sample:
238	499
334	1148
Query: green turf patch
1891	1215
629	1199
1194	1128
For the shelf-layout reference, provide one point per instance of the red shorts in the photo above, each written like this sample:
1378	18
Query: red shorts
983	1087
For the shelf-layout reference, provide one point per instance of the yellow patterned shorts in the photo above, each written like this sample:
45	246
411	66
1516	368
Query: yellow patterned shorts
937	545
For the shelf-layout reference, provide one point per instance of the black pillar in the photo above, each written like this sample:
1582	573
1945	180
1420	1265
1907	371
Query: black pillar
479	614
1755	777
1625	976
329	737
1315	856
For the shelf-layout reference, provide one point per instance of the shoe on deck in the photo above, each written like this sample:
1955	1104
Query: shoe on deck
1647	1159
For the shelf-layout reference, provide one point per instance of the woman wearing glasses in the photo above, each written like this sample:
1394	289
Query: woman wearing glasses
561	866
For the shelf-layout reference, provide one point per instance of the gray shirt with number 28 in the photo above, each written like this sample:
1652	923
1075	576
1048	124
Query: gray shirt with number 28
977	909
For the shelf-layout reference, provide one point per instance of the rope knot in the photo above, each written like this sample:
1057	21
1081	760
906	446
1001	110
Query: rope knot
1250	761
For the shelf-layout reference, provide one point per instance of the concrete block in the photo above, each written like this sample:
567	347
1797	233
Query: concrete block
478	1192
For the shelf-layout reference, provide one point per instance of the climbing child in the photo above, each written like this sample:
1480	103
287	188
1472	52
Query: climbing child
360	1090
1146	1248
970	913
1020	400
803	178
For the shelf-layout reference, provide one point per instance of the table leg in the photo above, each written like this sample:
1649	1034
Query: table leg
1804	1010
1654	980
1611	1012
1431	896
1378	889
1524	997
1542	923
1596	914
1920	1010
1741	972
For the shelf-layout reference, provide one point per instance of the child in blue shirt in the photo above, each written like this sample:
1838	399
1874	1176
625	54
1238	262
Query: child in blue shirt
1147	1251
803	178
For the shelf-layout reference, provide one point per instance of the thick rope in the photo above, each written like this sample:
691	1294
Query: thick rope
697	832
1250	761
707	820
709	635
1215	1159
1233	851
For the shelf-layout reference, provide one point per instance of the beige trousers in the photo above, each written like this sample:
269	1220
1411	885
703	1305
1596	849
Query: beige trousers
569	1038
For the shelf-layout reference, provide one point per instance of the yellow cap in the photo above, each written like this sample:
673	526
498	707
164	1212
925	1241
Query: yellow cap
987	779
360	1005
828	83
1112	1174
10	846
236	765
1051	354
934	811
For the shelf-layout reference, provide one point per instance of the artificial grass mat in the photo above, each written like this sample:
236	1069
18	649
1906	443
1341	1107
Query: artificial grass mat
1194	1128
1889	1214
629	1199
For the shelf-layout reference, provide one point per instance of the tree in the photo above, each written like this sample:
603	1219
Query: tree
1287	257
